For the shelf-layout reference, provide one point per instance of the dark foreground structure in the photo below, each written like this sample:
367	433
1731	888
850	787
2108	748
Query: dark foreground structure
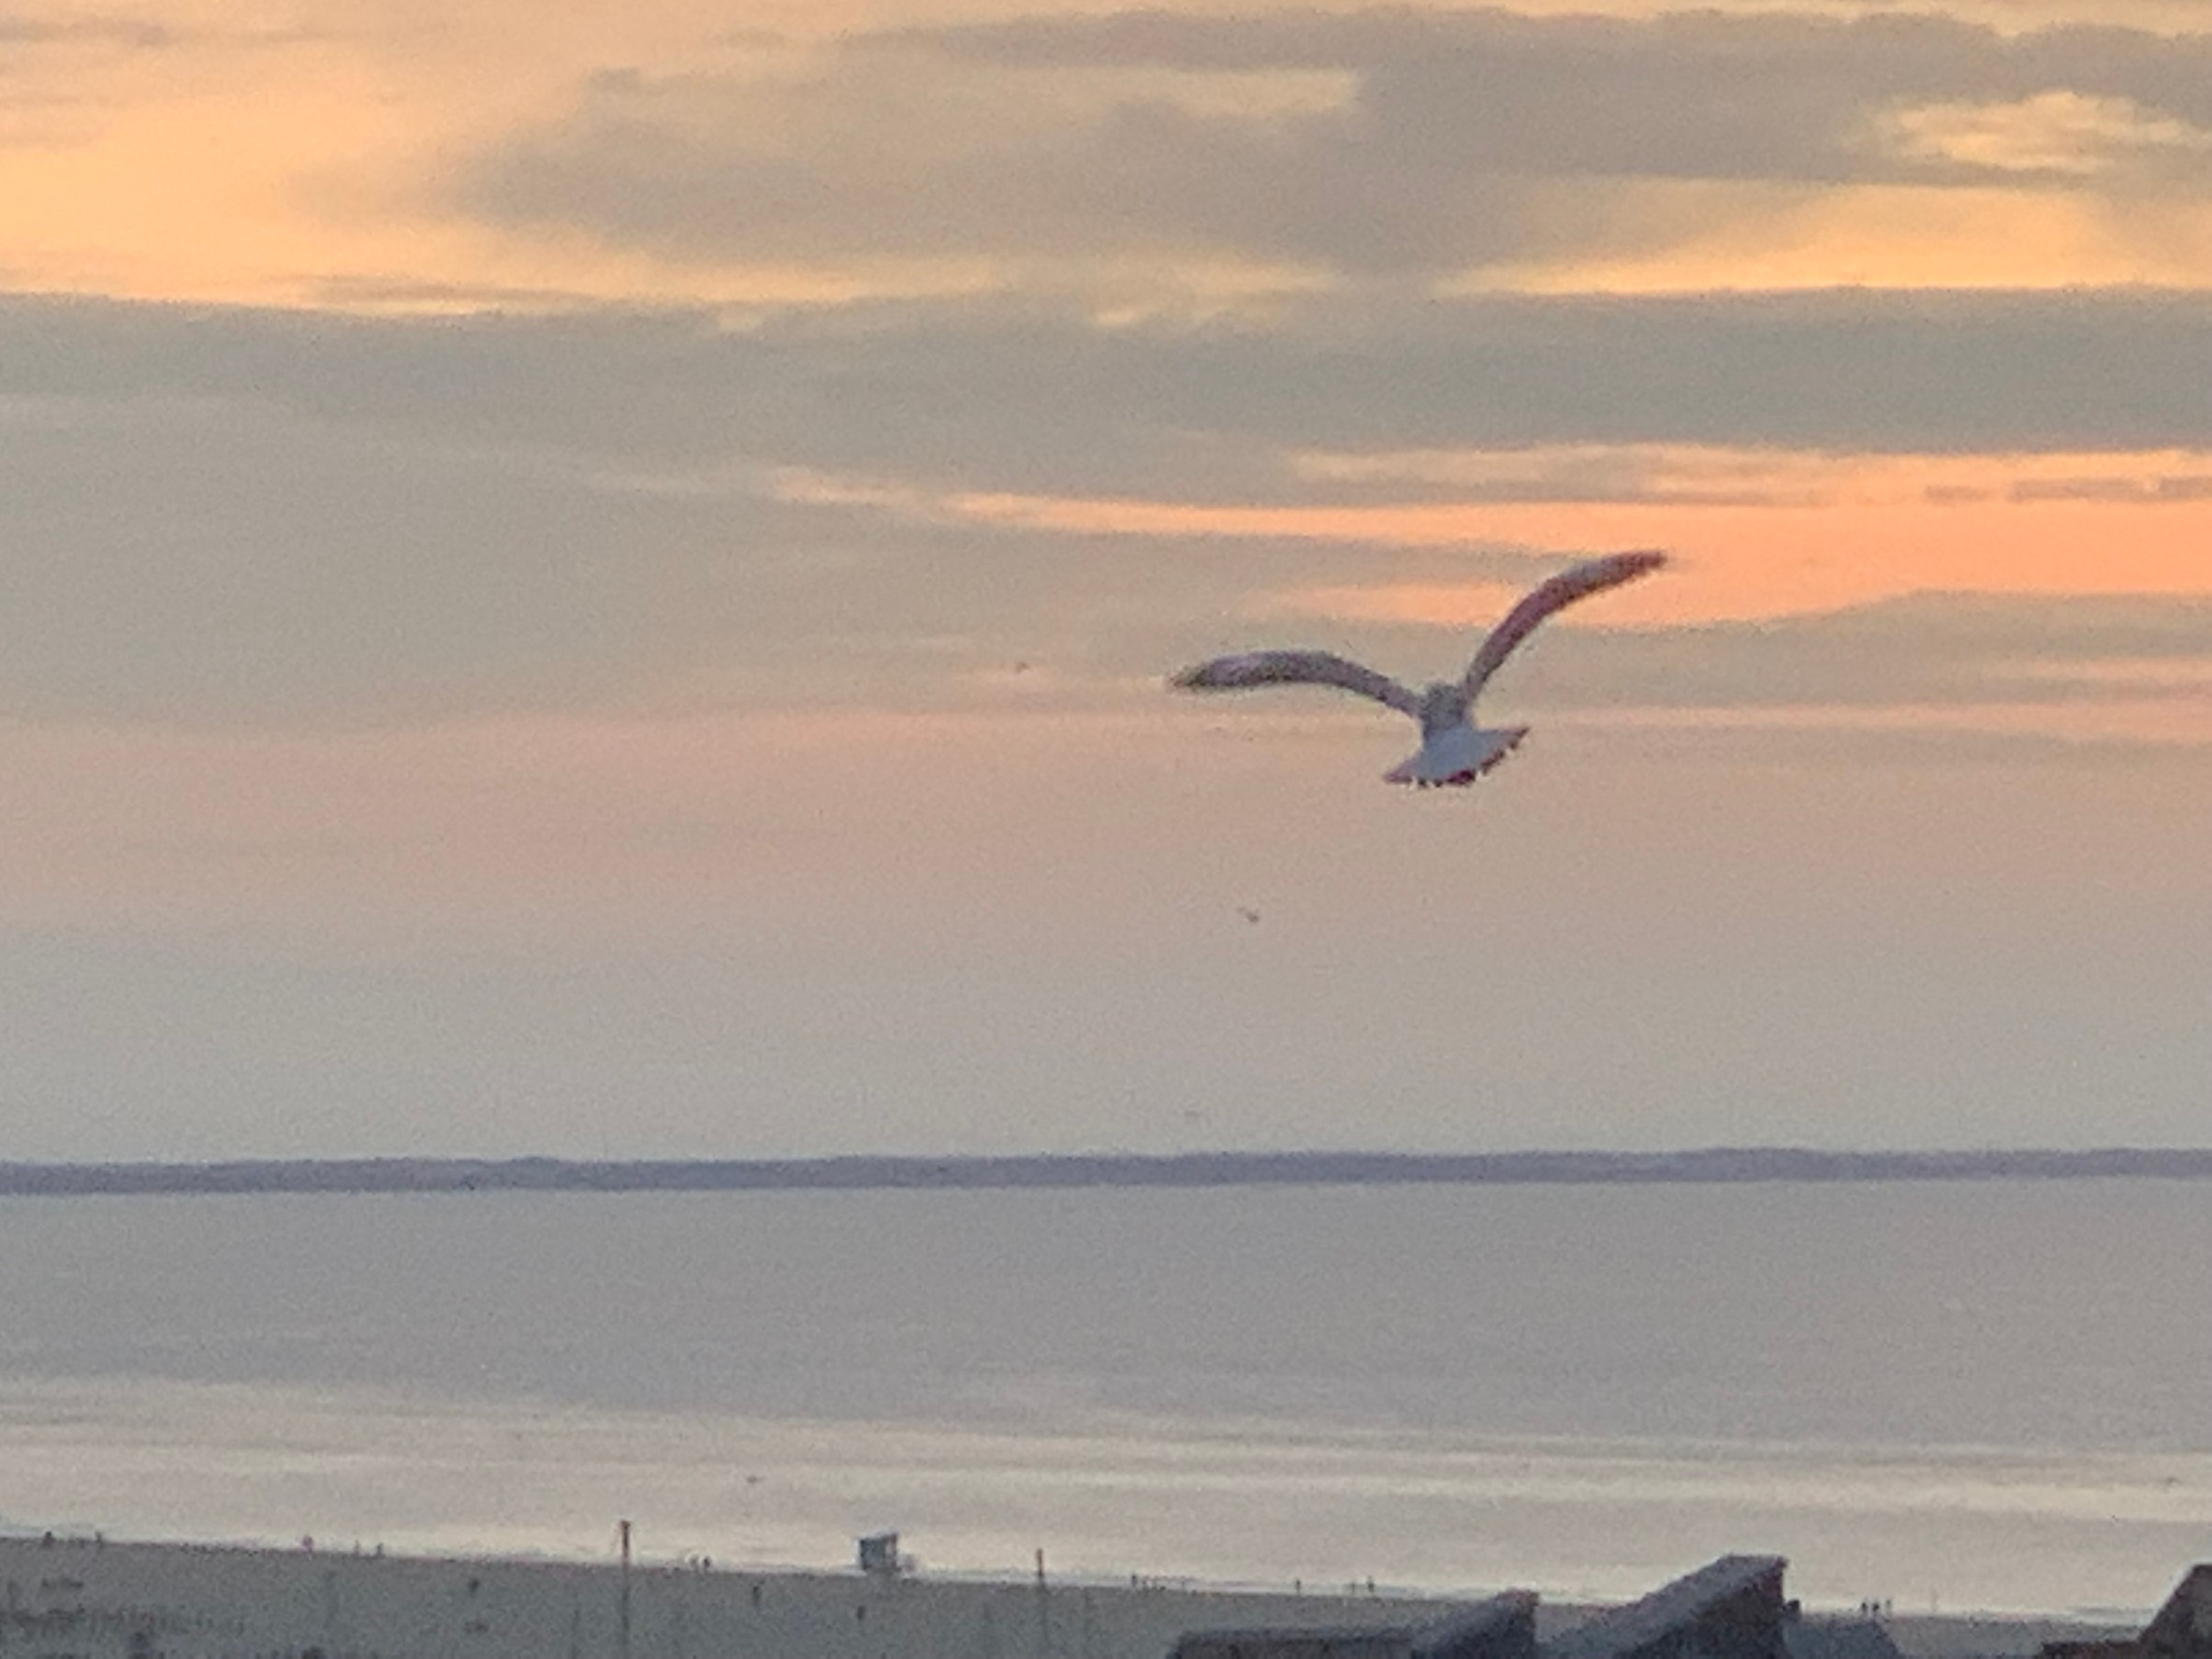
1731	1608
2182	1629
1504	1627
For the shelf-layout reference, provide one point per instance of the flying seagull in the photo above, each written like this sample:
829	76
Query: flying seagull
1454	750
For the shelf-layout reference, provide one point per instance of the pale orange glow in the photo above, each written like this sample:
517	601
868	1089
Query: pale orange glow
215	200
251	160
1835	532
1775	237
1741	564
2191	675
132	823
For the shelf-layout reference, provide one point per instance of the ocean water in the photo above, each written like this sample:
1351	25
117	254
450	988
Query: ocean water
1950	1396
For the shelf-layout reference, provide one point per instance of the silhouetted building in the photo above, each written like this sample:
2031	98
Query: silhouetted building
2182	1629
1730	1608
1503	1627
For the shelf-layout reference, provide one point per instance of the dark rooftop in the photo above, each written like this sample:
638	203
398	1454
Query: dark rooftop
1666	1609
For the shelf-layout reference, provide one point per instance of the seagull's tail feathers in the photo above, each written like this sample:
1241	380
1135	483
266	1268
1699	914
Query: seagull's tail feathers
1456	758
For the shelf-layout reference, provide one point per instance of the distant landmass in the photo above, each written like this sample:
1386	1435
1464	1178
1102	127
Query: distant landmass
1196	1168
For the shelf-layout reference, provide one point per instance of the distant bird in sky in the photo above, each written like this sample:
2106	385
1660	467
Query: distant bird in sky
1249	914
1454	750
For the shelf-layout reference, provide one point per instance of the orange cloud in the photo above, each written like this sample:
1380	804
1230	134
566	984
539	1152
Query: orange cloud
1799	533
1748	562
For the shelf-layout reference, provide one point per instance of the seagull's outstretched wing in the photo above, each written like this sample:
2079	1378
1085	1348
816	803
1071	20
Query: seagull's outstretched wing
1593	575
1297	668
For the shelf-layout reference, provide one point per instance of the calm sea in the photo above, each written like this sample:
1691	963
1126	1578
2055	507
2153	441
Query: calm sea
1961	1395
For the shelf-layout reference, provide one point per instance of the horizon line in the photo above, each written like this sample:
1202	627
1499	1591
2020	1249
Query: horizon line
855	1172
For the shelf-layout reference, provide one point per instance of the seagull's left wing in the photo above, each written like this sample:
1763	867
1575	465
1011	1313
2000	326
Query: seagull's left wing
1294	668
1593	575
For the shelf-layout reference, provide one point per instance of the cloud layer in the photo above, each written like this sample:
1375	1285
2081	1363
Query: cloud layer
1387	142
223	515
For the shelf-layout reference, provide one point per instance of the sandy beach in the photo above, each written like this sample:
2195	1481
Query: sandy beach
208	1602
91	1597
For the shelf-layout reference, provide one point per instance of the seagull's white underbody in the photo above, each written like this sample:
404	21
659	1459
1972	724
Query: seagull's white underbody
1454	750
1456	757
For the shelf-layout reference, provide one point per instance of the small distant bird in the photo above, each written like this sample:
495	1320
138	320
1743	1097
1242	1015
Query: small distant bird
1454	750
1249	914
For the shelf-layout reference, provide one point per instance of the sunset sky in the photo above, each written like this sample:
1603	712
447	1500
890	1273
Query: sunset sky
600	580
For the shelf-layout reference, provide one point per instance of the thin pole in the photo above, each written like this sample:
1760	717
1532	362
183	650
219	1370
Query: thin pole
1044	1610
622	1607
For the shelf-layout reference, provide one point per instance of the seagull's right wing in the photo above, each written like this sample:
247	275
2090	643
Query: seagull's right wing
1593	575
1297	668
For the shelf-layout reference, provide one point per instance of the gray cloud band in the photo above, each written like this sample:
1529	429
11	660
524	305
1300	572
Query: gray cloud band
1455	139
215	515
999	394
